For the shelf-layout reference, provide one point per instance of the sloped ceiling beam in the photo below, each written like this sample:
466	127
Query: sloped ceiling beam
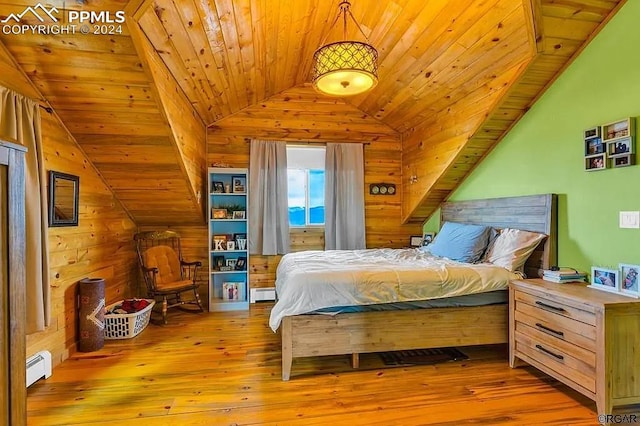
188	131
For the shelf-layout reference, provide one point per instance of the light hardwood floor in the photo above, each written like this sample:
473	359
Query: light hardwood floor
224	369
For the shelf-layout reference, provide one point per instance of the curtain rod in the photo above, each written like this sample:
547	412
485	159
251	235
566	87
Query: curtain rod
248	140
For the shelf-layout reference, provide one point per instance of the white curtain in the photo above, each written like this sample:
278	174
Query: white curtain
20	122
344	197
268	200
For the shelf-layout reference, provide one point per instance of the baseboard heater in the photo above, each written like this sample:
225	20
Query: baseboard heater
38	366
262	294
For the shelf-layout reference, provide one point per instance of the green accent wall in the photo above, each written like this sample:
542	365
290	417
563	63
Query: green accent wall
544	152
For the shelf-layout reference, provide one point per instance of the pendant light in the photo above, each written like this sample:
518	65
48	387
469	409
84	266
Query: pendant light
345	68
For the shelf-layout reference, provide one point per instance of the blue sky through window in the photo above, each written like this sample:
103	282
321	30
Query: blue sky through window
306	185
297	186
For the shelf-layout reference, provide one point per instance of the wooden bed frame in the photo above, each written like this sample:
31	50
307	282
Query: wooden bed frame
355	333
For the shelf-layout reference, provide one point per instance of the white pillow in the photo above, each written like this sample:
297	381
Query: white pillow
512	248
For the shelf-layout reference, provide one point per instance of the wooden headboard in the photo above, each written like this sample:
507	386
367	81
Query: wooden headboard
536	213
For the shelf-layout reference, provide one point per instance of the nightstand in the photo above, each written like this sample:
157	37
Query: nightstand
585	338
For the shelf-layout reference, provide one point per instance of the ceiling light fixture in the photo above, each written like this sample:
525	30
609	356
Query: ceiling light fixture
345	68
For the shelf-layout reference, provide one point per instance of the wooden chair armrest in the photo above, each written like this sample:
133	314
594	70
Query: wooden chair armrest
154	270
196	263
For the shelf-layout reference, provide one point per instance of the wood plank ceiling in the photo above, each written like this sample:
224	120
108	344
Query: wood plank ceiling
99	88
454	75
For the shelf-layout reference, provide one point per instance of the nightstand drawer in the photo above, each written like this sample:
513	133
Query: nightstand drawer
587	355
563	363
574	332
556	307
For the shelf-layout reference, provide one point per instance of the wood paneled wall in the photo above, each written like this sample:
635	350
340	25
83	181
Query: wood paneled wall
100	246
302	115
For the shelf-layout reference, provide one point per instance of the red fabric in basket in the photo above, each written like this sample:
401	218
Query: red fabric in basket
134	305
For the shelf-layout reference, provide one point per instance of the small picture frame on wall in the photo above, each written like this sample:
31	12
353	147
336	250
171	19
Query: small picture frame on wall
592	132
629	280
620	147
623	161
605	279
593	146
595	162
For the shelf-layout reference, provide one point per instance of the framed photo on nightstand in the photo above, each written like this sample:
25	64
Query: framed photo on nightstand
629	280
605	279
415	241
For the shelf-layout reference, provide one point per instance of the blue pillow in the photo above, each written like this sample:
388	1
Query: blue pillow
461	242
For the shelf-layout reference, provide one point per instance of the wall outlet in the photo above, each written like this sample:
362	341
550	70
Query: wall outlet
629	219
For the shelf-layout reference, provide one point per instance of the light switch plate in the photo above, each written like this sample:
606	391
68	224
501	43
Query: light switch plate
629	219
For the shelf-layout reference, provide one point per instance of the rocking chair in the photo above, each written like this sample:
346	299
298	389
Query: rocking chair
165	274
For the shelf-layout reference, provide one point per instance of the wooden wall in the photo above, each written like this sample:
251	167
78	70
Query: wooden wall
100	246
300	114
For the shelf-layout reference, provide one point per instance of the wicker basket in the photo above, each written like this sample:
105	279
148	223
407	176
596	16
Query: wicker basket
126	326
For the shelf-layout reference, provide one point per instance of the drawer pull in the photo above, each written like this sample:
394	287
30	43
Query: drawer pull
550	330
553	308
548	352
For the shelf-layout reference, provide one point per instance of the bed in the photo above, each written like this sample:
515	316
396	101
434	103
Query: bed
353	333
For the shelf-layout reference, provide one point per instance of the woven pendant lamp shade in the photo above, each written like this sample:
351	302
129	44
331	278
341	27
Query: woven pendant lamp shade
345	68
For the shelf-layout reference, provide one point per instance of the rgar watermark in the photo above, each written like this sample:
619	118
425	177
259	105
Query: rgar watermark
42	20
607	419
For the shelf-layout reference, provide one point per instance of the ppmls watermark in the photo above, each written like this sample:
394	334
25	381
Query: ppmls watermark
53	21
607	419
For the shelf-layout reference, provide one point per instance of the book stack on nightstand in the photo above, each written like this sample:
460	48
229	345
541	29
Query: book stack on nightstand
563	275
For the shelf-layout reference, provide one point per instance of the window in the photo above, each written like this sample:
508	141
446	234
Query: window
305	172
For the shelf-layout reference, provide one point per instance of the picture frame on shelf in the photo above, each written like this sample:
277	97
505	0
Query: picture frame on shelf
231	245
239	214
218	262
217	187
241	244
239	236
219	242
427	238
629	280
605	279
239	184
218	213
232	263
241	264
230	291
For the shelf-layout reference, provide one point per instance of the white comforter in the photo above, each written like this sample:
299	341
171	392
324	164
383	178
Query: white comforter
311	280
